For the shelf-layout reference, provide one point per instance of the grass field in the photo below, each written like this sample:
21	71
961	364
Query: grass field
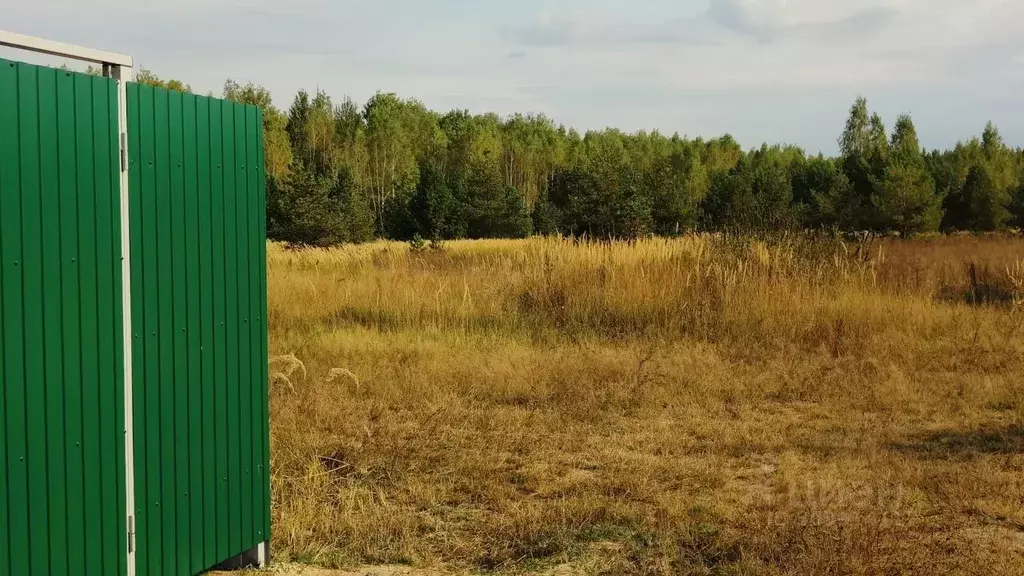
704	405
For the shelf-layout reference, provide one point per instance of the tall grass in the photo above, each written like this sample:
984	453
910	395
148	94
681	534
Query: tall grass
709	404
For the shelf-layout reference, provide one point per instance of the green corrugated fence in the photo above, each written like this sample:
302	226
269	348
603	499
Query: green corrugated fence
62	431
198	328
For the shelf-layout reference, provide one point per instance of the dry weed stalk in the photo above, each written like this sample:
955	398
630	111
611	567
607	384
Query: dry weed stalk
283	367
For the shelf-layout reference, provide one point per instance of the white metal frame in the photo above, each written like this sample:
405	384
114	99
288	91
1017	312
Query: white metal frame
119	68
34	44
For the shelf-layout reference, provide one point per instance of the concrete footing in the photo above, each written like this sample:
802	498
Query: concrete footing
256	557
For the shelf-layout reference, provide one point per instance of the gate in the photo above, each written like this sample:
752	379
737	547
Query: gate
135	430
199	332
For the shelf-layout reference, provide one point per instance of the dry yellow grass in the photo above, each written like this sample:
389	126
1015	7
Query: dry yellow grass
704	405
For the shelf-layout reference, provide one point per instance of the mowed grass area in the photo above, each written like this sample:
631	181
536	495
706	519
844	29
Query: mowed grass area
704	405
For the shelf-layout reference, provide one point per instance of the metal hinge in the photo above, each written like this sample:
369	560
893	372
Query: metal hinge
124	152
131	534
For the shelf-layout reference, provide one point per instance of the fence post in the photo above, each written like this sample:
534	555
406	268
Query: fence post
122	75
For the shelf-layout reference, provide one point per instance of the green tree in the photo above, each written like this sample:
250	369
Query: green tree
399	135
773	191
249	94
633	210
574	193
357	213
546	217
905	199
435	207
826	194
943	166
720	154
344	173
147	77
730	203
1017	206
984	202
277	149
495	210
298	117
305	208
754	196
317	149
987	176
864	153
276	145
523	150
677	184
349	124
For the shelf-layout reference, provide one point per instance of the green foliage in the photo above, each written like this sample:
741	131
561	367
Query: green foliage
613	204
147	77
865	153
302	209
276	145
495	210
945	171
438	212
298	117
546	217
856	137
249	94
396	220
984	204
826	195
1016	208
417	244
756	195
339	172
357	211
569	192
677	184
633	216
983	196
399	134
306	208
905	199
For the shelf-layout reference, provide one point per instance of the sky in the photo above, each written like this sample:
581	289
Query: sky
762	70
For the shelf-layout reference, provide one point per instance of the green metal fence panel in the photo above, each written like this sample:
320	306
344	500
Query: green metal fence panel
62	435
198	244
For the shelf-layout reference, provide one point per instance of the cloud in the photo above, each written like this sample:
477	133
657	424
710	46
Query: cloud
734	15
787	23
549	31
724	21
754	67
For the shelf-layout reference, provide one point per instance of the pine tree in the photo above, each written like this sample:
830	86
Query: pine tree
905	199
434	205
985	203
546	217
305	209
864	151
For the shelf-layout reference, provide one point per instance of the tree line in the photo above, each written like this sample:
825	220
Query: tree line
391	168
